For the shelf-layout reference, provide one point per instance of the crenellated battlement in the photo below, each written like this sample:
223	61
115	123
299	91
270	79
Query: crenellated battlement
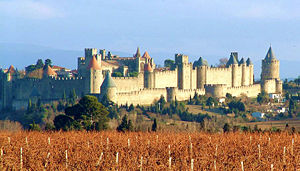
215	85
141	91
125	78
167	72
219	69
66	78
241	87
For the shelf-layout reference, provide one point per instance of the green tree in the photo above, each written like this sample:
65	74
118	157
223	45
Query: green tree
106	101
262	97
154	125
226	128
88	113
210	101
34	127
66	123
48	62
39	64
72	96
49	127
169	63
117	74
29	106
133	74
292	106
131	108
126	125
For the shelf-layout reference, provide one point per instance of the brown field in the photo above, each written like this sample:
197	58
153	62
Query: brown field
208	151
278	124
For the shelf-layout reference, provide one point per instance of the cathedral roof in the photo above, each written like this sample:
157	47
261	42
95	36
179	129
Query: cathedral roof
138	53
146	55
242	61
232	60
249	62
270	54
108	82
49	71
148	67
94	64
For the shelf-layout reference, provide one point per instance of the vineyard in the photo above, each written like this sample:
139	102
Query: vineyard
148	151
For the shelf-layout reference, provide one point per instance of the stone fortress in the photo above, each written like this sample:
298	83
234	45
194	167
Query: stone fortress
182	81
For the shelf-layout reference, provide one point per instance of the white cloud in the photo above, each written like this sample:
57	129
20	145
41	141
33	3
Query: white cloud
29	9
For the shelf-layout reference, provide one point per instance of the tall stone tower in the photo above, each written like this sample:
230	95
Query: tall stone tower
93	77
270	66
201	66
251	71
270	79
108	88
184	71
148	76
233	63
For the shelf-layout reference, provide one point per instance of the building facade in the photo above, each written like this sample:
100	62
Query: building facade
182	81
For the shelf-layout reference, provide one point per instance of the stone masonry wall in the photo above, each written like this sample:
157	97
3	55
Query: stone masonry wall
219	76
250	91
165	79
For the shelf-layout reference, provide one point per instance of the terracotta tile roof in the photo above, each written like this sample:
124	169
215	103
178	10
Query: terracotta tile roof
38	73
94	64
148	67
49	71
110	63
146	55
57	67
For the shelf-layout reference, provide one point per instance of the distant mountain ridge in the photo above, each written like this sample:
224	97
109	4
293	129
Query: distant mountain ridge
21	55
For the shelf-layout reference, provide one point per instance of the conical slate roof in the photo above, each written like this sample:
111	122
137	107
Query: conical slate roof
47	70
146	55
200	62
138	53
270	54
249	62
242	61
232	60
94	64
108	82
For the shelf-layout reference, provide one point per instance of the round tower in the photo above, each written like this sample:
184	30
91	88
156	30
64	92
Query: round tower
243	64
270	66
109	88
94	77
251	72
278	86
201	76
235	81
233	63
148	76
171	93
216	90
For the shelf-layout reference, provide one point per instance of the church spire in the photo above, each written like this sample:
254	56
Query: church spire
270	54
138	53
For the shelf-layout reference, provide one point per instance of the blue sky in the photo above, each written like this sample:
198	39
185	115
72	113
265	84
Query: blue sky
194	27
